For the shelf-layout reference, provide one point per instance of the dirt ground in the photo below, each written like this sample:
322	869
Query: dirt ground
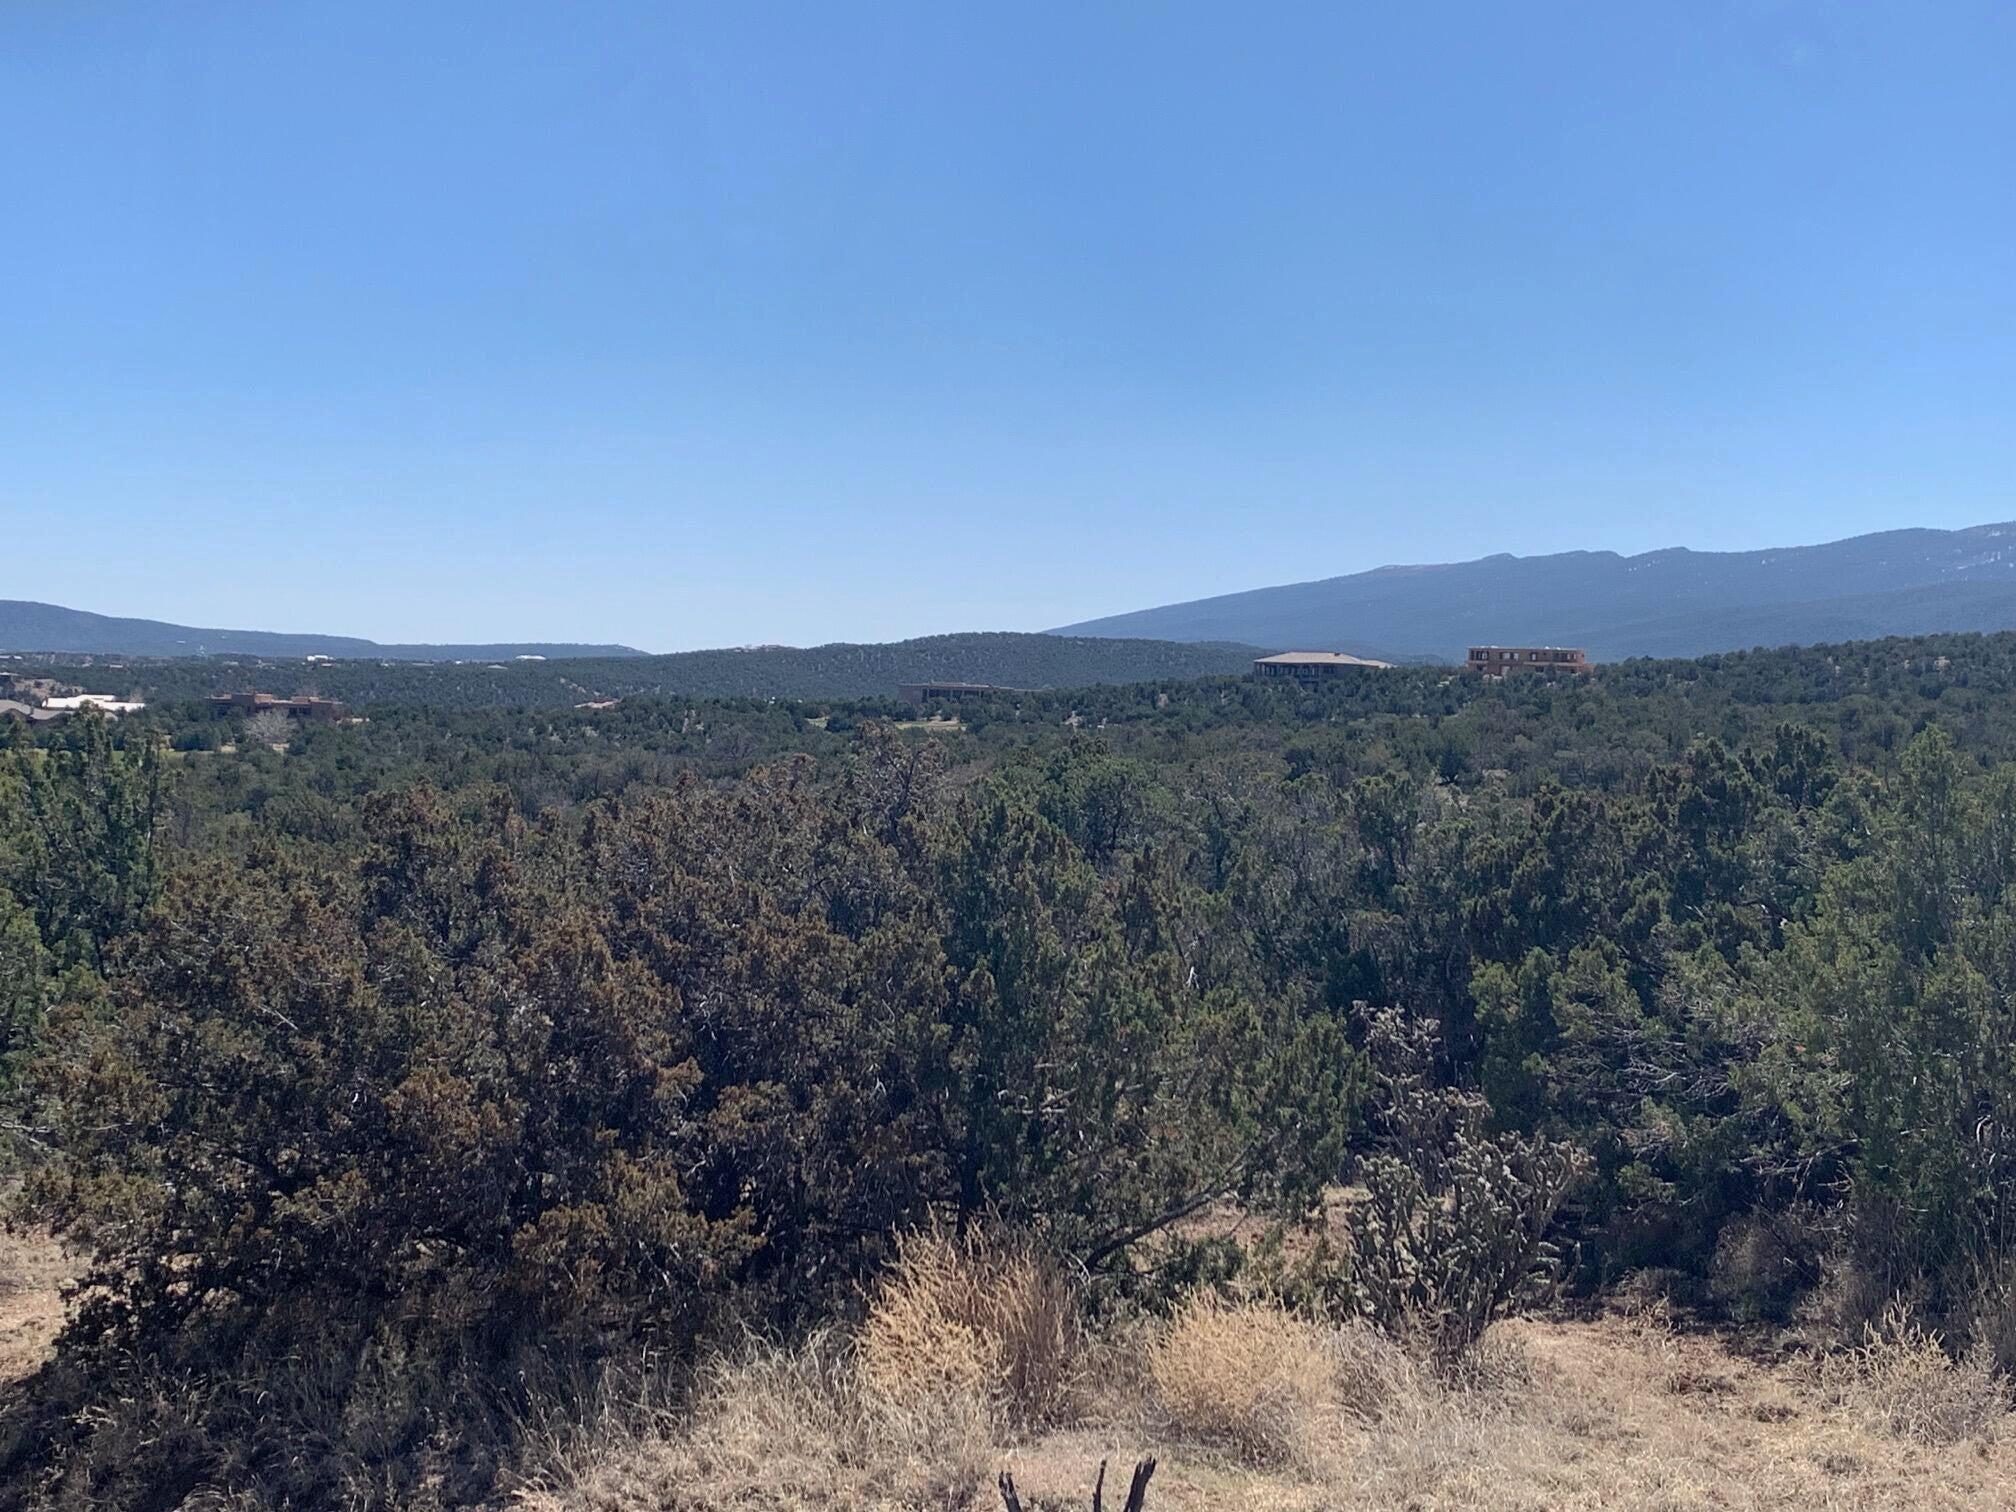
1613	1414
33	1270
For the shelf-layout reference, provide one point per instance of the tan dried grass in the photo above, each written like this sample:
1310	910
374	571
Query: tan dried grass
984	1318
1906	1383
782	1430
1620	1414
1248	1376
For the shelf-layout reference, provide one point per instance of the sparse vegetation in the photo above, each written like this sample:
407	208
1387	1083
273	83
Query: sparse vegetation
796	1429
1247	1405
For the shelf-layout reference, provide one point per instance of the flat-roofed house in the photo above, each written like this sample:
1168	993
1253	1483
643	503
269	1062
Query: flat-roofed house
1498	660
104	703
1311	666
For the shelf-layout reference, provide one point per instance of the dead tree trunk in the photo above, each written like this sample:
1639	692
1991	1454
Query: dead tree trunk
1137	1489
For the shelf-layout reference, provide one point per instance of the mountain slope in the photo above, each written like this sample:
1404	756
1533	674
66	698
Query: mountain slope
1664	603
29	626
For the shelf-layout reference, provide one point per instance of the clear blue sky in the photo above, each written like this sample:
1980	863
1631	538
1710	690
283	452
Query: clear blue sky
702	325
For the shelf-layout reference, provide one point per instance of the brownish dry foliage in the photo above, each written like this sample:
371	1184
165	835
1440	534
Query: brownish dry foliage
1252	1378
1907	1384
985	1318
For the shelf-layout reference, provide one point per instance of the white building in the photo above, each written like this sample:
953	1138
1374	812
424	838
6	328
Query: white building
104	703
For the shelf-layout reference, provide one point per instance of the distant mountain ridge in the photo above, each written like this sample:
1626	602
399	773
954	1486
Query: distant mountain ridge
1670	603
1674	602
33	627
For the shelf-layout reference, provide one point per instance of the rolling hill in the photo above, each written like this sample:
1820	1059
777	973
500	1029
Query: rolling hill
833	671
32	627
1674	602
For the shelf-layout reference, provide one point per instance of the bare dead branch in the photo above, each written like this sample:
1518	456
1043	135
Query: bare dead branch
1137	1489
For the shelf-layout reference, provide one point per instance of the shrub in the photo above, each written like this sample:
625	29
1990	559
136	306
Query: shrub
1251	1377
1992	1321
985	1317
1760	1269
487	1091
1903	1378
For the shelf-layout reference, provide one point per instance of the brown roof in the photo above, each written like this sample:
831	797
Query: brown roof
11	708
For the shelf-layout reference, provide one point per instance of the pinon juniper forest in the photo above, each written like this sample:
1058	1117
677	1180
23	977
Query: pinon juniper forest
401	1085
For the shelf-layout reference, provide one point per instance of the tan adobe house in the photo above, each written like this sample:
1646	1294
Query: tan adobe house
1311	666
1498	660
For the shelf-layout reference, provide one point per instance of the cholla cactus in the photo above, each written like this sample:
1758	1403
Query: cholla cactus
1451	1231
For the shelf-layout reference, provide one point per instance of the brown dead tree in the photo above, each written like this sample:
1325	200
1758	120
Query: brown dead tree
1137	1489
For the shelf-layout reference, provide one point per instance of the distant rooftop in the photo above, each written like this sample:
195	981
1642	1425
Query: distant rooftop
1317	659
13	708
104	702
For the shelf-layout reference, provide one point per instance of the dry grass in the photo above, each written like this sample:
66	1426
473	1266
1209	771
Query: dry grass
964	1341
985	1319
1264	1383
34	1268
793	1431
1623	1412
1903	1380
1994	1322
1620	1413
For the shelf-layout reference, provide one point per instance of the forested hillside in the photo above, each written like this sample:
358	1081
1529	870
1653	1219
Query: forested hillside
414	1084
835	671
